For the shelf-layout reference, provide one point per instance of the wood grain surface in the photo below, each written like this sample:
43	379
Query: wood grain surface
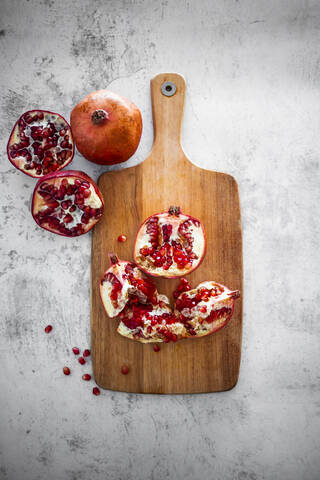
167	178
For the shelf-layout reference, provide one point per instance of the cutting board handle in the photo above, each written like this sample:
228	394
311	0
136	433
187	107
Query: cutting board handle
167	96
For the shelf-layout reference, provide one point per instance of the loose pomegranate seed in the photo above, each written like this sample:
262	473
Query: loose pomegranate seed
76	350
66	370
48	328
81	360
86	377
156	348
86	353
122	238
124	370
96	391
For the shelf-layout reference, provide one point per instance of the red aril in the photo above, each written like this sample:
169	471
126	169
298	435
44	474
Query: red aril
121	281
76	350
41	142
170	244
66	370
81	360
156	348
68	203
205	309
48	328
86	353
124	369
86	377
96	391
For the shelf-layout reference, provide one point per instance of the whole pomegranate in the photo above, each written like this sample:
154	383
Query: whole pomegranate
170	244
68	203
106	127
40	143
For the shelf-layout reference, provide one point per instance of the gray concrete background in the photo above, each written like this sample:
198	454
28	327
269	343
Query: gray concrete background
253	110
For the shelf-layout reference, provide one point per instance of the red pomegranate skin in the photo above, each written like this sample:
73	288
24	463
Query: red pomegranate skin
109	140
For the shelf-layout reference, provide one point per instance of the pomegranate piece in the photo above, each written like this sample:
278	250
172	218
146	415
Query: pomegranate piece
86	377
68	203
96	391
122	281
122	238
106	127
81	360
205	309
66	370
41	142
150	323
48	328
76	350
124	369
170	244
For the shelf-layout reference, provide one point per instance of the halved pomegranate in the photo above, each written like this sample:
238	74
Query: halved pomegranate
205	309
170	244
149	323
40	143
68	203
106	127
121	281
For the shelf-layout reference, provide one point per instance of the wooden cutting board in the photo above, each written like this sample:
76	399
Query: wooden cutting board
167	178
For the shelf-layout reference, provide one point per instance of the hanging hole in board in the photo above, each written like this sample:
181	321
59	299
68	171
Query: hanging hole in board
168	89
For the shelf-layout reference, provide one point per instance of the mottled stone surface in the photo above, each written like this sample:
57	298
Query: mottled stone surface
253	72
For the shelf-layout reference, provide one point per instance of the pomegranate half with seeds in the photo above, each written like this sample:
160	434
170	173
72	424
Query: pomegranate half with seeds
149	323
68	203
40	143
121	281
205	309
170	244
106	127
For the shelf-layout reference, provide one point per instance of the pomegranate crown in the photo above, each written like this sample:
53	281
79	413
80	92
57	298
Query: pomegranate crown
174	211
99	116
113	258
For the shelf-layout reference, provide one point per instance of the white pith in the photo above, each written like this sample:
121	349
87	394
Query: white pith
143	241
93	201
59	122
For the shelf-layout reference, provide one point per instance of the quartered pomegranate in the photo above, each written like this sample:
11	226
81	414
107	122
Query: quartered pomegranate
170	244
149	323
121	281
205	309
40	143
68	203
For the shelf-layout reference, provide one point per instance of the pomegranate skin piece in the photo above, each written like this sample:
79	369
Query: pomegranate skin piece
67	203
170	244
40	143
106	127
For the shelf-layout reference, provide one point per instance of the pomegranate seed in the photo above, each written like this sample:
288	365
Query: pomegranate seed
76	350
86	377
81	360
124	370
48	328
156	348
86	353
96	391
66	370
122	238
